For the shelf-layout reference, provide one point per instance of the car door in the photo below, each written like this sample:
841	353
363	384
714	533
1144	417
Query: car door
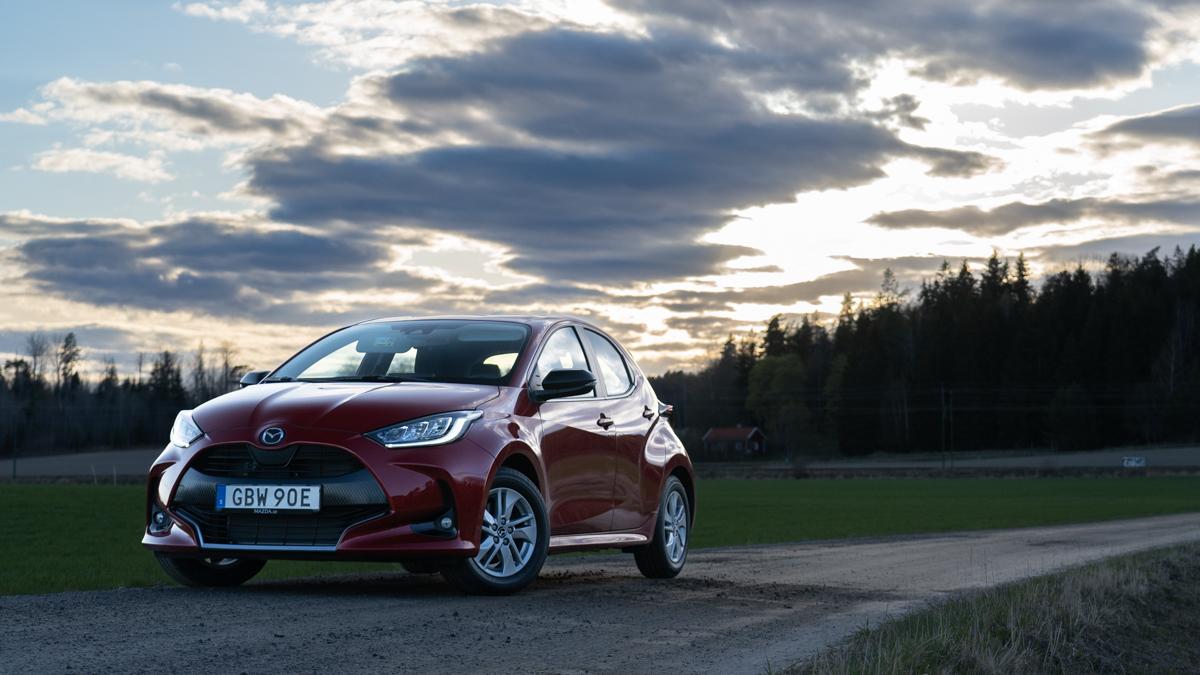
632	418
577	446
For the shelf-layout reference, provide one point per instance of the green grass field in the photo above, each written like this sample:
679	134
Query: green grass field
75	537
1121	615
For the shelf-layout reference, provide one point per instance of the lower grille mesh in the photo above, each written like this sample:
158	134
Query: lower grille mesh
278	529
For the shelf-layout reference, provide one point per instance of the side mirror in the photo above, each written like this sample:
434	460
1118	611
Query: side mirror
563	383
253	377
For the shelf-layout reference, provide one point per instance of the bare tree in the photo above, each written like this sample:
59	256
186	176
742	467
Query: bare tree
230	370
37	345
54	361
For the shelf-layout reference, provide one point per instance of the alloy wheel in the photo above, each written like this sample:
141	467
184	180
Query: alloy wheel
509	536
675	527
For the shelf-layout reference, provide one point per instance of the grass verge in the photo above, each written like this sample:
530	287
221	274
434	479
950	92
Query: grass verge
734	512
56	537
1133	614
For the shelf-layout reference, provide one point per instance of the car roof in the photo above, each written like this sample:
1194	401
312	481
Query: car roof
538	320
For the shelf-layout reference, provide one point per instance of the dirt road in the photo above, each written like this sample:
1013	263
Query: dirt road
733	610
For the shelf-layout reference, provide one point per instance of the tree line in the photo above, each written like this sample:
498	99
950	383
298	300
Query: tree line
46	405
974	359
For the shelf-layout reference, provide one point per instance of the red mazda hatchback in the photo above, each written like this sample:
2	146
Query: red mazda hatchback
466	446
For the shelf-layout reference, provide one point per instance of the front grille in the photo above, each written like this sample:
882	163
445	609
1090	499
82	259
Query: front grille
349	494
280	529
294	461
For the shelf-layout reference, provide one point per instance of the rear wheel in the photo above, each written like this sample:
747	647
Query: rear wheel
666	553
209	571
513	542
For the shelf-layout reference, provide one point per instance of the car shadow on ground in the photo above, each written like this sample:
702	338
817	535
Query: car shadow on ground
595	584
401	583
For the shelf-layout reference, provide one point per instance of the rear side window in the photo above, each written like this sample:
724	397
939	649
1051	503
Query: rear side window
613	369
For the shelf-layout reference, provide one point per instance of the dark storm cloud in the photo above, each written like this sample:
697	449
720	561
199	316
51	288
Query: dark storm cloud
1176	124
210	267
1015	215
599	158
1031	44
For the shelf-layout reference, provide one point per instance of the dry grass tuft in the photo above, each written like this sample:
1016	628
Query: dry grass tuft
1138	613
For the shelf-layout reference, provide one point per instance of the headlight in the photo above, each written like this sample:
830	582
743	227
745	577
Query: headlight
432	430
186	431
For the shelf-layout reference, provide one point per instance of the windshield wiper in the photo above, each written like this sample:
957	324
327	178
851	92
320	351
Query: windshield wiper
279	379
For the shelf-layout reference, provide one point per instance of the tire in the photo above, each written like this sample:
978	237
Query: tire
210	572
506	533
666	554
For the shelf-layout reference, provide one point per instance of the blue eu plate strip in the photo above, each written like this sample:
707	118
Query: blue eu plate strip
220	497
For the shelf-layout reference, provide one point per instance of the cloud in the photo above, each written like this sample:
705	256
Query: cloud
1132	245
142	169
242	11
188	118
709	330
801	46
215	266
383	34
604	164
596	148
22	116
864	277
1028	44
93	338
1176	124
1016	215
23	224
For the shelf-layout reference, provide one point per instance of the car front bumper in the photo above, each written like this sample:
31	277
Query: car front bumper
388	509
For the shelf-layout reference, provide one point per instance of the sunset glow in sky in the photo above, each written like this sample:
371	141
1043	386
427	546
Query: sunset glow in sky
262	171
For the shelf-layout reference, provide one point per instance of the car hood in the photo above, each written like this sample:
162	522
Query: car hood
347	406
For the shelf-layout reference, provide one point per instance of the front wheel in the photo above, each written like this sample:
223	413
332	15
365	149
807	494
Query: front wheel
209	571
513	543
666	553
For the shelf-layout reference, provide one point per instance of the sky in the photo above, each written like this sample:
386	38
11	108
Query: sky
260	172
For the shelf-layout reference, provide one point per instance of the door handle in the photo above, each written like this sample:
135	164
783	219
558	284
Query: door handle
605	421
647	412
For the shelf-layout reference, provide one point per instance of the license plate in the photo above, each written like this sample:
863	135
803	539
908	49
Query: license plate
269	497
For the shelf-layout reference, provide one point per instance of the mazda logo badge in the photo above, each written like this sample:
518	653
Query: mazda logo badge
272	436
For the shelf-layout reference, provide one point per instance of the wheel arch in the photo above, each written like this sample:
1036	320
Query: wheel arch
689	487
520	458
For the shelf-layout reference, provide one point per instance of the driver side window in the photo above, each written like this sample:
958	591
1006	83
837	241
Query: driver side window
563	351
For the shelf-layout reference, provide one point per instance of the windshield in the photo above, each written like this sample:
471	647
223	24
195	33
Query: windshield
469	352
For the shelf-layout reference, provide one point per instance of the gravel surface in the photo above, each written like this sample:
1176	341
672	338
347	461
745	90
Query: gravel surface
733	610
